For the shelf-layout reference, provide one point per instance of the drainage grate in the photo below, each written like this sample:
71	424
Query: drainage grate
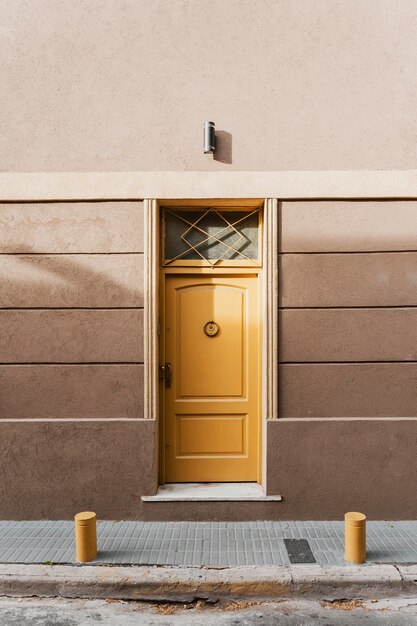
299	551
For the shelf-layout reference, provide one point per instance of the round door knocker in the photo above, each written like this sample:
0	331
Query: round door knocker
211	328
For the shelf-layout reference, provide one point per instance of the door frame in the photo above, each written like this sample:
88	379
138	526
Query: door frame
154	289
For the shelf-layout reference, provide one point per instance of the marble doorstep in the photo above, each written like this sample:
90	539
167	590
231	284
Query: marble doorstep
211	492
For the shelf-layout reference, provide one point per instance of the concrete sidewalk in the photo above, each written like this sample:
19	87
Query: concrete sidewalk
185	561
211	544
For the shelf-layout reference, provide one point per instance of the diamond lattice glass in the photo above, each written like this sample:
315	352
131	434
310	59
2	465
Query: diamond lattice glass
211	235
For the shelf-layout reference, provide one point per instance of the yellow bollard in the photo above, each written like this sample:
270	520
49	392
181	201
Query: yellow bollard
355	537
85	536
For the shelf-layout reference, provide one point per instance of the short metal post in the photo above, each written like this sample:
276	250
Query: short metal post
85	536
355	537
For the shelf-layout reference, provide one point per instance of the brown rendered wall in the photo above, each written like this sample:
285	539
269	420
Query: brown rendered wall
53	469
71	361
347	432
324	468
71	365
105	85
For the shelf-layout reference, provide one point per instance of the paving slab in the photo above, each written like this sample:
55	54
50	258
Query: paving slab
211	544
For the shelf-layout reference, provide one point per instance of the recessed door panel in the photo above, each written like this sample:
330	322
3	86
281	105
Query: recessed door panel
210	435
212	410
211	365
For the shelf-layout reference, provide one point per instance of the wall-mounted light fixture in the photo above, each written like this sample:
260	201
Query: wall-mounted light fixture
209	137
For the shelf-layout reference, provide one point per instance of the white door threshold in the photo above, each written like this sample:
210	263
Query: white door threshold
211	492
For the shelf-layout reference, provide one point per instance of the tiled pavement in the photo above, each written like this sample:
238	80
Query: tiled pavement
202	543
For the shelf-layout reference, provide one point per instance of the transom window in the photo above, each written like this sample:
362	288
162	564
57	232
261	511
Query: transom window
211	236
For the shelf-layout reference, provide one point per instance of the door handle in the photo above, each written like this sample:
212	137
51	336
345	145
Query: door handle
168	375
165	374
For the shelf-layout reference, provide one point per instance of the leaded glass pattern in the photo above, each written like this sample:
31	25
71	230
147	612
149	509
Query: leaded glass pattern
211	235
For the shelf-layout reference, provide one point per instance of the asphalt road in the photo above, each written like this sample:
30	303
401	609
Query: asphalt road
62	612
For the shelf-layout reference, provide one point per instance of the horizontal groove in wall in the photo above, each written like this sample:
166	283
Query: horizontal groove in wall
402	362
297	198
368	362
73	201
355	200
344	419
82	364
54	420
71	308
321	252
346	308
329	199
46	363
68	253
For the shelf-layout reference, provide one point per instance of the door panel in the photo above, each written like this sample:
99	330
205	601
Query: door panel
211	434
212	405
210	366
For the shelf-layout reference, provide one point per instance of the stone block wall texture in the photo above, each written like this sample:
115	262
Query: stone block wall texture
127	84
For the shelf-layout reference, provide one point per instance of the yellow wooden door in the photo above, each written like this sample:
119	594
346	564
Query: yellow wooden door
212	404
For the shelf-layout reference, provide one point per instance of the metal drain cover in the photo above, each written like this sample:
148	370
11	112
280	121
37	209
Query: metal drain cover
299	551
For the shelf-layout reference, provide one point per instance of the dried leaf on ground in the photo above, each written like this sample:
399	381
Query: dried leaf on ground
343	604
239	605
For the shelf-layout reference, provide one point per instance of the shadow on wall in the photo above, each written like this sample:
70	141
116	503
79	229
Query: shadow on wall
33	280
224	147
52	469
63	312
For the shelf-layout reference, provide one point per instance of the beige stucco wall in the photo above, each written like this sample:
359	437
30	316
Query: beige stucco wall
99	85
